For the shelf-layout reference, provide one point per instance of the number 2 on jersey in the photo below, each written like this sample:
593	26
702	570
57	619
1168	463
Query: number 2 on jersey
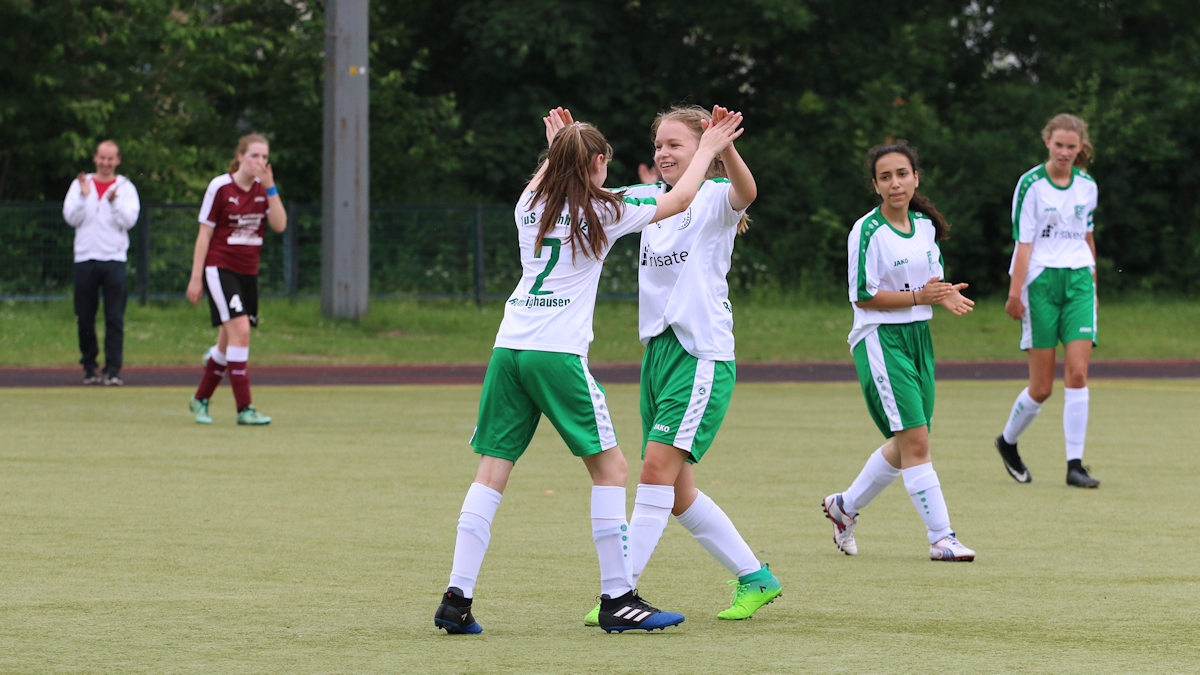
554	245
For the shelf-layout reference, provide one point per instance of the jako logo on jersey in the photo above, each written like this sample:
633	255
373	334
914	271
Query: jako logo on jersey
900	262
672	258
702	391
233	200
663	428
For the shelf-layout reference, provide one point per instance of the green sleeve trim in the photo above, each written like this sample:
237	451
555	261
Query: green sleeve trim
1032	176
872	223
640	201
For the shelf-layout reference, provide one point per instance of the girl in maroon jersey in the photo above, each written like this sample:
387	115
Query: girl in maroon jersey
236	209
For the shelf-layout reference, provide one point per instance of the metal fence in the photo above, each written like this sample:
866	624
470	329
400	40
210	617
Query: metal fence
453	252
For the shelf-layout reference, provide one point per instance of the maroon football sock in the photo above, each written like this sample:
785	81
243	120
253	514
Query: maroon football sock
239	379
213	374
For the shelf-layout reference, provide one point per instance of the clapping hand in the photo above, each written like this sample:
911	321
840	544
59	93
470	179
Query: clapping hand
947	295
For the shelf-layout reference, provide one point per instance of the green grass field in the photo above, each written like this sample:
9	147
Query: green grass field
397	331
132	539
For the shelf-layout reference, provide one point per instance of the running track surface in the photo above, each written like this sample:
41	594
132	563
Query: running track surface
606	373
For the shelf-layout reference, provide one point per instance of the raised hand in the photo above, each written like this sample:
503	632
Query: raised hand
556	119
85	185
719	113
720	134
267	176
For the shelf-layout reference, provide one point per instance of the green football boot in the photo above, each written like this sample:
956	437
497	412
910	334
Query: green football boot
199	406
593	617
751	592
250	416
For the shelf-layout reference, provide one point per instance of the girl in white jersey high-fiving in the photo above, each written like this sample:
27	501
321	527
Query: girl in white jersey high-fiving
1053	290
686	322
895	275
566	224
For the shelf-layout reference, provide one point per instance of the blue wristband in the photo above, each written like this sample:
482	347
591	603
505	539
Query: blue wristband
272	191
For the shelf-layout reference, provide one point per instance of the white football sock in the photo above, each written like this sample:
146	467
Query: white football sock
474	535
717	534
876	475
218	356
1023	411
1075	419
923	487
610	532
651	510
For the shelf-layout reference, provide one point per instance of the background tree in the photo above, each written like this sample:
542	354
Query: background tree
457	89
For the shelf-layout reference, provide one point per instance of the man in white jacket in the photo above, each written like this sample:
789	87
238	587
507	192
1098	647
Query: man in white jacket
101	207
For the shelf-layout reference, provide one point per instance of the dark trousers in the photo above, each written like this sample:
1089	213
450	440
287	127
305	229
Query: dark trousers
93	277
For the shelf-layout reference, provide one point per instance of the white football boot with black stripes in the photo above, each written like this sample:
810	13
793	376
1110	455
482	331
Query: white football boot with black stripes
629	611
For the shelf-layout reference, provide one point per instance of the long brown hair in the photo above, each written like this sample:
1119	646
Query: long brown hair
567	184
243	145
919	202
1069	122
693	116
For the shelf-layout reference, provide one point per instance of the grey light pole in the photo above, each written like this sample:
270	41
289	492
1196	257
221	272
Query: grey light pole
345	197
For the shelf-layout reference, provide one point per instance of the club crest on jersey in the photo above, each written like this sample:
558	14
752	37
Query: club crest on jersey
686	220
233	200
1079	210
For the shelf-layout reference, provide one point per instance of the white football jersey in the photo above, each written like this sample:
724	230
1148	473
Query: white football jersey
551	308
1056	220
879	258
681	272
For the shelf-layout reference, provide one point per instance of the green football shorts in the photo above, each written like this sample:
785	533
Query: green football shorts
684	398
1060	306
522	385
895	369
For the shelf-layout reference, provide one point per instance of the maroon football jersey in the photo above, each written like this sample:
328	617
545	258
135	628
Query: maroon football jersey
240	218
